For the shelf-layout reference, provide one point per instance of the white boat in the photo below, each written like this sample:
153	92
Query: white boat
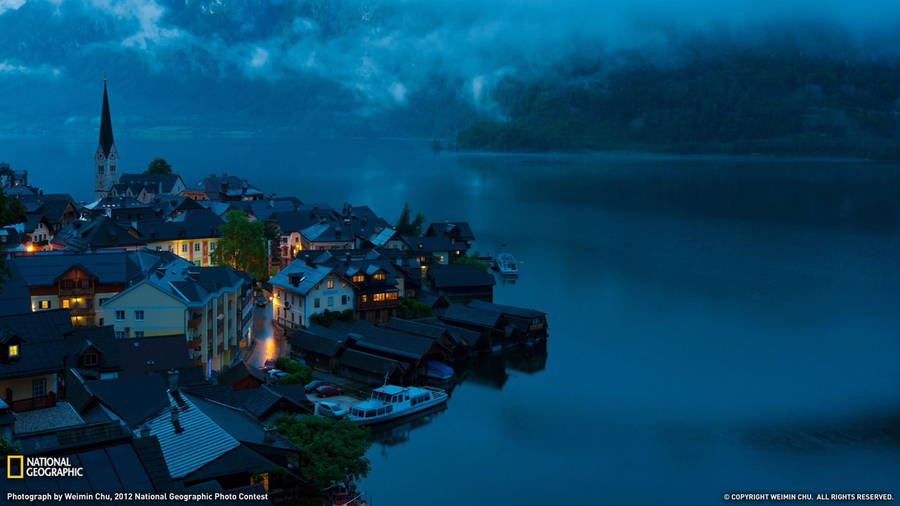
391	401
506	264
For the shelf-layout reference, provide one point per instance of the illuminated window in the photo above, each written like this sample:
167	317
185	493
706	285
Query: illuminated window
364	298
358	278
45	304
379	276
66	303
378	297
441	259
343	284
13	350
391	295
330	283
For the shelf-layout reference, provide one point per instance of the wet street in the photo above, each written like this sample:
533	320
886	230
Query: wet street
267	343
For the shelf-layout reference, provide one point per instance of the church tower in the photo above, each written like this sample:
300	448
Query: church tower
106	160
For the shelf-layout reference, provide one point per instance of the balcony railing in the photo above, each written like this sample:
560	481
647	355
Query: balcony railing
63	292
46	401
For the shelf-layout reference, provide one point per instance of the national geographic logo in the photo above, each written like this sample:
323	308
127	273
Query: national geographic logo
17	467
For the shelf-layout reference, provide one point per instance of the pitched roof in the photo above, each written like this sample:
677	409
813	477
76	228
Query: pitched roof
44	268
44	349
415	327
307	276
458	275
99	232
427	244
166	352
14	295
118	394
256	401
240	424
190	224
469	315
240	371
459	230
318	339
199	442
507	310
368	362
160	183
384	340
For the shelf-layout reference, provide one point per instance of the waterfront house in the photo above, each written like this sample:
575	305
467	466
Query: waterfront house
318	346
486	323
458	232
301	290
429	250
370	368
525	323
378	284
262	403
461	282
211	306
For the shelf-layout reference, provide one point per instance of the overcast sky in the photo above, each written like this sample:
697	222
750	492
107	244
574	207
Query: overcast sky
373	54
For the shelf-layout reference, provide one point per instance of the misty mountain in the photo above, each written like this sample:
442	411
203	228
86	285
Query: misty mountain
715	95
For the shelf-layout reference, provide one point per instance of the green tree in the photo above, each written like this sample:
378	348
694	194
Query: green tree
410	309
11	211
412	227
7	447
158	166
298	373
472	259
243	245
332	450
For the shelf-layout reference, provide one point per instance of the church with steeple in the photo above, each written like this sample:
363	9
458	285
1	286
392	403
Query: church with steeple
106	160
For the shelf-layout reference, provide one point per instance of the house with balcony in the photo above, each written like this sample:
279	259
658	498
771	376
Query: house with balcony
81	282
378	280
37	348
211	306
301	290
192	235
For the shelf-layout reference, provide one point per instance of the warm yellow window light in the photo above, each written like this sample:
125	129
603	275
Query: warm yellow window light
13	350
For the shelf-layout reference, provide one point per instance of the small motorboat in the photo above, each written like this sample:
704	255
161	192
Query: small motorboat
506	264
437	370
391	401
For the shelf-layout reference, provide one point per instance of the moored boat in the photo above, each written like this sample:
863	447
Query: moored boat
391	401
437	370
506	264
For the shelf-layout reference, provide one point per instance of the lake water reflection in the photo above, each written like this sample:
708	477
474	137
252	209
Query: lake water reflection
716	324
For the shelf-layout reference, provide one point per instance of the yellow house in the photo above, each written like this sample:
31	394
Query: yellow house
192	235
211	306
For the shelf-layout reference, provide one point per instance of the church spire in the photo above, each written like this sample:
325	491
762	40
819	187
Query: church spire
106	132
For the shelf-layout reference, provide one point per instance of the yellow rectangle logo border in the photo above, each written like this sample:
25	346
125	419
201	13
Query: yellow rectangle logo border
9	461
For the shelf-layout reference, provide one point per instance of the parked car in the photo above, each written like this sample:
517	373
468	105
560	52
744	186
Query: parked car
329	391
270	364
261	300
331	410
277	373
313	385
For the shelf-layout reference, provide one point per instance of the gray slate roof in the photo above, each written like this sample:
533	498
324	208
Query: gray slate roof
368	362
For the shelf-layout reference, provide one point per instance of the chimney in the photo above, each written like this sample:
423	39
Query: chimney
178	428
268	434
173	379
150	364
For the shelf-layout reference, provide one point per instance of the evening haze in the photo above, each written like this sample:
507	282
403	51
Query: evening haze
718	323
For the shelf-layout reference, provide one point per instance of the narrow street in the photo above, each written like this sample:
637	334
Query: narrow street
267	343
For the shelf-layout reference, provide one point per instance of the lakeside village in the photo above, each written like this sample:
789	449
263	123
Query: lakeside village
147	339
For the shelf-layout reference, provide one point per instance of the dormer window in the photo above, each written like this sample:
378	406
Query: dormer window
330	283
14	351
358	278
379	276
90	358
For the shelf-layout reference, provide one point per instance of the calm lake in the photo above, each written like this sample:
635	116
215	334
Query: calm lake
717	325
